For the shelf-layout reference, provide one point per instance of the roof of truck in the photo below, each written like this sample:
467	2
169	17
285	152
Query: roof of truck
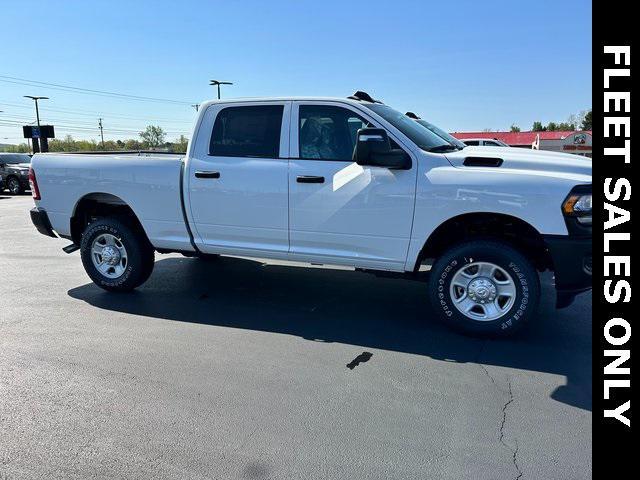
358	97
281	99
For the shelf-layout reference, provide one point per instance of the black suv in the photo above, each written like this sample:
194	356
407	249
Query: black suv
14	170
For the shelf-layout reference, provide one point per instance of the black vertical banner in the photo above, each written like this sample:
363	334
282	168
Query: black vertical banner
613	309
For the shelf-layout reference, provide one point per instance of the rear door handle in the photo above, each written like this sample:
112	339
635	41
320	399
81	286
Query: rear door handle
310	179
201	174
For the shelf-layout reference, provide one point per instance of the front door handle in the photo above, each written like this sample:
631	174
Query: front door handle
310	179
201	174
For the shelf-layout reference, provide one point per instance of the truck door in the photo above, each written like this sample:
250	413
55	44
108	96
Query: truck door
339	210
237	179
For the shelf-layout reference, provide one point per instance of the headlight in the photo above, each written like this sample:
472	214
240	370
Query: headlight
24	173
578	205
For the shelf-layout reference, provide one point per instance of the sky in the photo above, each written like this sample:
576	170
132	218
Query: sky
463	65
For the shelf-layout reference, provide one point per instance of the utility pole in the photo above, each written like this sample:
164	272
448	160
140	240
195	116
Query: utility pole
101	132
217	83
42	141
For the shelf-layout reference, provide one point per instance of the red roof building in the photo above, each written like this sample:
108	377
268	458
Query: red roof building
565	141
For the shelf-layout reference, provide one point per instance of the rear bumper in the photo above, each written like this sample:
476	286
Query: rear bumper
40	220
572	263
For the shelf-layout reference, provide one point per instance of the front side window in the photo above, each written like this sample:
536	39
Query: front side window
326	132
471	143
251	131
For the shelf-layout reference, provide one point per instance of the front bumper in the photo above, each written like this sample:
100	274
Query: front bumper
572	263
40	220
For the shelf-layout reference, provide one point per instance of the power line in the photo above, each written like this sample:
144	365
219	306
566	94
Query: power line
22	119
88	91
83	129
92	113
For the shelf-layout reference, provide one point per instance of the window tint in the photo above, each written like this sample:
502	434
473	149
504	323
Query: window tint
13	158
327	132
491	143
247	132
471	142
422	137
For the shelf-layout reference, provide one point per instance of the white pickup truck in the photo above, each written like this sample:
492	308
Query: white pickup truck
333	181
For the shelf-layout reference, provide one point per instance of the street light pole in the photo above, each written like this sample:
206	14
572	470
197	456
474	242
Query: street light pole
36	145
217	83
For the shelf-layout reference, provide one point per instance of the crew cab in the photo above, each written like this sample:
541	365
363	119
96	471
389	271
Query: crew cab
342	181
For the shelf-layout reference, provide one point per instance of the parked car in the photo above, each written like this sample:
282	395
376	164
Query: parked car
483	142
333	181
14	168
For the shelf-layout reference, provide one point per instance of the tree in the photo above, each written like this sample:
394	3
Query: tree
552	127
21	148
538	127
515	128
132	144
180	145
587	121
152	137
564	126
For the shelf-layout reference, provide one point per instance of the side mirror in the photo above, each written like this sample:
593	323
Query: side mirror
374	149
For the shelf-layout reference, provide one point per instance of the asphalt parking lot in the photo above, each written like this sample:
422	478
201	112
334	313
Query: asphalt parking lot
237	368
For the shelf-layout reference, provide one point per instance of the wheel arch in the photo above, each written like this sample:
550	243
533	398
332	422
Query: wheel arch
487	225
97	205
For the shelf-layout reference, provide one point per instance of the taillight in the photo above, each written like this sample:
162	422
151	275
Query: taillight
33	183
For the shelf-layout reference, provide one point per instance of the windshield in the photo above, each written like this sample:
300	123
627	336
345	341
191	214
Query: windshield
13	158
438	131
421	136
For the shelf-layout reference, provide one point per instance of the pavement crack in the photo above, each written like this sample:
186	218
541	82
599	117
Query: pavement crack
514	451
505	407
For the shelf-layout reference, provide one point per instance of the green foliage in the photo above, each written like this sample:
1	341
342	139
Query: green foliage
582	120
152	137
21	148
180	146
587	121
514	128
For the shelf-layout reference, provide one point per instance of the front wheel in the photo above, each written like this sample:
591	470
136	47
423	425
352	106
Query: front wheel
14	186
484	287
116	255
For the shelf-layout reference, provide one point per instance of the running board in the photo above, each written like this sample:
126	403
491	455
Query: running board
71	248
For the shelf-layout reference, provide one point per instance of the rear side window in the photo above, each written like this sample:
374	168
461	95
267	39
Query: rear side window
247	132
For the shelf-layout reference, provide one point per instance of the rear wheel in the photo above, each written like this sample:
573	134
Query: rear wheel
116	255
484	287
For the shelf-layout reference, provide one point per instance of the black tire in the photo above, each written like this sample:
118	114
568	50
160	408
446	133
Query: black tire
140	254
14	186
523	274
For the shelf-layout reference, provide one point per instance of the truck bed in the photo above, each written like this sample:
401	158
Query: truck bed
150	183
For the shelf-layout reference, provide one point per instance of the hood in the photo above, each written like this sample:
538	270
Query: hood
19	166
542	161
